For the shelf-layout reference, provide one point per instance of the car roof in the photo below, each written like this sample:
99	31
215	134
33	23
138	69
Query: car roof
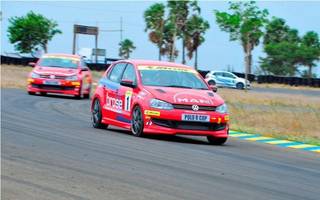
62	55
155	63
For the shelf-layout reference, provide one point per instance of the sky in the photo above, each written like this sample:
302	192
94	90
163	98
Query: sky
217	53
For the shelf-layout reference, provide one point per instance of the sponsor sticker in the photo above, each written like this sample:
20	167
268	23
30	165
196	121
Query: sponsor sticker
62	57
152	113
113	104
165	68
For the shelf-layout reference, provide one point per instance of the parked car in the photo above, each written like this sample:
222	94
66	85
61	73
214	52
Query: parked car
153	97
62	74
226	79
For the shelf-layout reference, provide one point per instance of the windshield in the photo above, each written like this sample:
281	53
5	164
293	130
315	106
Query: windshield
62	62
171	77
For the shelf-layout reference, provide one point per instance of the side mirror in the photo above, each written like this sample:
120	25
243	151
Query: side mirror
84	69
32	64
213	88
127	83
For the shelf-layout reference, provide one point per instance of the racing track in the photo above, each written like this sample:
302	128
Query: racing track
50	151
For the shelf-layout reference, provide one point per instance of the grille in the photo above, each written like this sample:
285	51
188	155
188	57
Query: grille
53	87
189	107
201	126
48	76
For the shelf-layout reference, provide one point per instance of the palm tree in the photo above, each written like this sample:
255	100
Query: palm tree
154	18
126	47
179	12
196	27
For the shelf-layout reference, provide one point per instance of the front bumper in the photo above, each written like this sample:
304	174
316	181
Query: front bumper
62	86
171	123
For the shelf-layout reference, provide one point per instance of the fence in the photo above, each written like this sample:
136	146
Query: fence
293	81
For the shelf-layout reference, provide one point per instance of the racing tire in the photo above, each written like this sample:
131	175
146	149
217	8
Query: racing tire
240	86
216	140
43	93
137	123
31	93
96	116
80	95
211	82
87	96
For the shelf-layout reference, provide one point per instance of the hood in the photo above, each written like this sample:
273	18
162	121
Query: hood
55	71
185	96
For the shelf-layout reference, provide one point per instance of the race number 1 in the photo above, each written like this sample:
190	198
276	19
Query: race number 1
127	101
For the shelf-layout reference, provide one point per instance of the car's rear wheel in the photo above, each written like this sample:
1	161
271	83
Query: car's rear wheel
31	93
216	140
87	96
97	115
240	86
43	93
137	122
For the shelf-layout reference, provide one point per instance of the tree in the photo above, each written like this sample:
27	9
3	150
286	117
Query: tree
281	44
179	12
154	18
31	31
195	29
244	23
309	51
126	47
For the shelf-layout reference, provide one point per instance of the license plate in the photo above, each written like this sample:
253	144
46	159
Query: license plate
52	82
195	118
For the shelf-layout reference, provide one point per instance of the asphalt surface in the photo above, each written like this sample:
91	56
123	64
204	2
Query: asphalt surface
50	151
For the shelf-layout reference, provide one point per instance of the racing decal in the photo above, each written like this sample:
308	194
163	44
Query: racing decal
123	119
61	57
186	97
113	104
165	68
152	113
127	100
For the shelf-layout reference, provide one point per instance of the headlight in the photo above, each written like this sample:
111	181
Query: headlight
72	78
222	108
35	75
156	103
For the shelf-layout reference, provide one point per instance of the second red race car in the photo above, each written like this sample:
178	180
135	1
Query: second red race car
153	97
62	74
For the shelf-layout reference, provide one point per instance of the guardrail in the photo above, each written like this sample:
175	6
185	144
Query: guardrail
293	81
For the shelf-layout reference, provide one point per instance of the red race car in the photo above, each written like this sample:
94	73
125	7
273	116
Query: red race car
153	97
60	73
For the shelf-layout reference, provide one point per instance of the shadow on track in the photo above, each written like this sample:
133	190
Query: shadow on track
167	138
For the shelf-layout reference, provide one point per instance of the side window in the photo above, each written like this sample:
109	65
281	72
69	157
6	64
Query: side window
129	73
116	72
218	74
228	75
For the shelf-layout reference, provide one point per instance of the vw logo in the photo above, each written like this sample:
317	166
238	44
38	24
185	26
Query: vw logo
195	107
52	76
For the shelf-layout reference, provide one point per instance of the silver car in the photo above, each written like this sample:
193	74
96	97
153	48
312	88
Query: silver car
226	79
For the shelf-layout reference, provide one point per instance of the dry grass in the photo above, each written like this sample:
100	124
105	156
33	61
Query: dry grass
14	76
278	85
294	117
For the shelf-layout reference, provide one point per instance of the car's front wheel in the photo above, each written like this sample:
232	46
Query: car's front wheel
240	86
137	122
31	93
97	115
216	140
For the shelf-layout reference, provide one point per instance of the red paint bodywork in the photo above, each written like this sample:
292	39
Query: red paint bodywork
82	84
141	95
